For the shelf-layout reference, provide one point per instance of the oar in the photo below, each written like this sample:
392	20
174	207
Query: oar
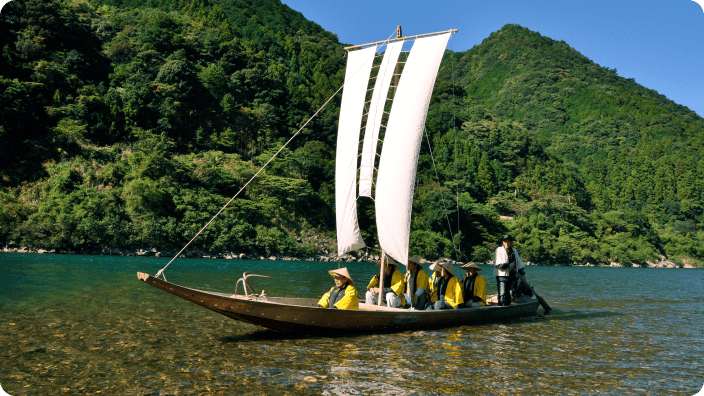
541	300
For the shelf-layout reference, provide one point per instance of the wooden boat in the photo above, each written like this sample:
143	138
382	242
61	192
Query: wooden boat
394	170
301	315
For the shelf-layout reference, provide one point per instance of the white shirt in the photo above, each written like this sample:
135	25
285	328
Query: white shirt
502	258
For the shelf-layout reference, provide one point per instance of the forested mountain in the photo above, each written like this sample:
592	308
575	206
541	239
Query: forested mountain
592	166
129	123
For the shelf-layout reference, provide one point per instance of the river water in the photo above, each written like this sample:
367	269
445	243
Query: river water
85	325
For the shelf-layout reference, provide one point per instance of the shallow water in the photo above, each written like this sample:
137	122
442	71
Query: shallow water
84	325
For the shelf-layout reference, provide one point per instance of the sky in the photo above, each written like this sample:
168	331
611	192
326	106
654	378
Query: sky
659	43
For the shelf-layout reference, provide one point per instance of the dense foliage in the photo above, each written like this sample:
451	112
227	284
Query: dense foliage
590	166
129	123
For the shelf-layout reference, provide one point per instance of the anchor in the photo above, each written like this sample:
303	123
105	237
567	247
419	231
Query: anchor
245	284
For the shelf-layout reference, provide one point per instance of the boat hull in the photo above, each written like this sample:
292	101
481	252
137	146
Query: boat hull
301	314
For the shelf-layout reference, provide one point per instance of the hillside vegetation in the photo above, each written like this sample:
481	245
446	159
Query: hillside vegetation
129	123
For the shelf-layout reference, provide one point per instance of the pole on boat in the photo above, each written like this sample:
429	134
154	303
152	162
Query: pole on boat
397	73
541	300
381	277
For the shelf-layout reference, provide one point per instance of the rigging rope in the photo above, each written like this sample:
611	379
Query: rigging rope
437	176
442	196
161	271
454	129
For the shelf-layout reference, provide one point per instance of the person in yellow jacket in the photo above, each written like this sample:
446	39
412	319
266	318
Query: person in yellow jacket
473	286
394	286
449	289
343	295
417	285
433	283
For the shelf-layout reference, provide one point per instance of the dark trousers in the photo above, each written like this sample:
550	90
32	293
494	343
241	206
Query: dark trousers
504	284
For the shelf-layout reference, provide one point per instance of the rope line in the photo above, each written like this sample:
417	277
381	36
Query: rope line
454	129
442	196
161	271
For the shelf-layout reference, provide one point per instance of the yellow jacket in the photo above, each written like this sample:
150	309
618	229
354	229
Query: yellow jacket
433	287
421	281
479	288
453	293
398	285
349	301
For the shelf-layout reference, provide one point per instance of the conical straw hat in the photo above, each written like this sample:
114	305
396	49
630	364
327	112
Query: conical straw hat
415	259
389	261
447	265
471	265
343	272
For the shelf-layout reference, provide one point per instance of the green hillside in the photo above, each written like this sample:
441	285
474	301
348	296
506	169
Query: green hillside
602	168
129	123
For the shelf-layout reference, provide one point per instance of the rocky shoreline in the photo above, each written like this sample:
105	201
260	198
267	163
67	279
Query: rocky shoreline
359	257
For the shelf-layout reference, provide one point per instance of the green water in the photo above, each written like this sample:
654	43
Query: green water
84	325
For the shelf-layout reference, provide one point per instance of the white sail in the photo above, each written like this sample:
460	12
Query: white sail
399	155
359	66
376	112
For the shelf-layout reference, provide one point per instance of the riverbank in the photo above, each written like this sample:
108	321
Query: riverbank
358	257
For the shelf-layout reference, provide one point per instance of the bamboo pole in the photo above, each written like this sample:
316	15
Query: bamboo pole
381	277
400	38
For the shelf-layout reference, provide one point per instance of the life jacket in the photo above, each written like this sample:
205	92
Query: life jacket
395	283
474	289
336	294
468	287
421	280
433	286
442	285
336	298
453	292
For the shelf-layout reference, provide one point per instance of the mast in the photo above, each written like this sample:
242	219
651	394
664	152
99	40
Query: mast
381	277
399	34
382	266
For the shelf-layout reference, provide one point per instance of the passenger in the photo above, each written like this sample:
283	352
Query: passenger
507	260
416	284
394	286
449	289
433	283
473	286
343	295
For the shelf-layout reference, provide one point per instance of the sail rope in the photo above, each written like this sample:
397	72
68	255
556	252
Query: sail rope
432	157
442	196
161	271
454	129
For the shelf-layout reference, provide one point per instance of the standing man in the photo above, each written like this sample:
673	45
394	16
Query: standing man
417	286
473	286
507	260
343	295
393	288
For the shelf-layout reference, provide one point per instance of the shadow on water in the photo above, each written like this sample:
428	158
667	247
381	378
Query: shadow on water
573	314
276	335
